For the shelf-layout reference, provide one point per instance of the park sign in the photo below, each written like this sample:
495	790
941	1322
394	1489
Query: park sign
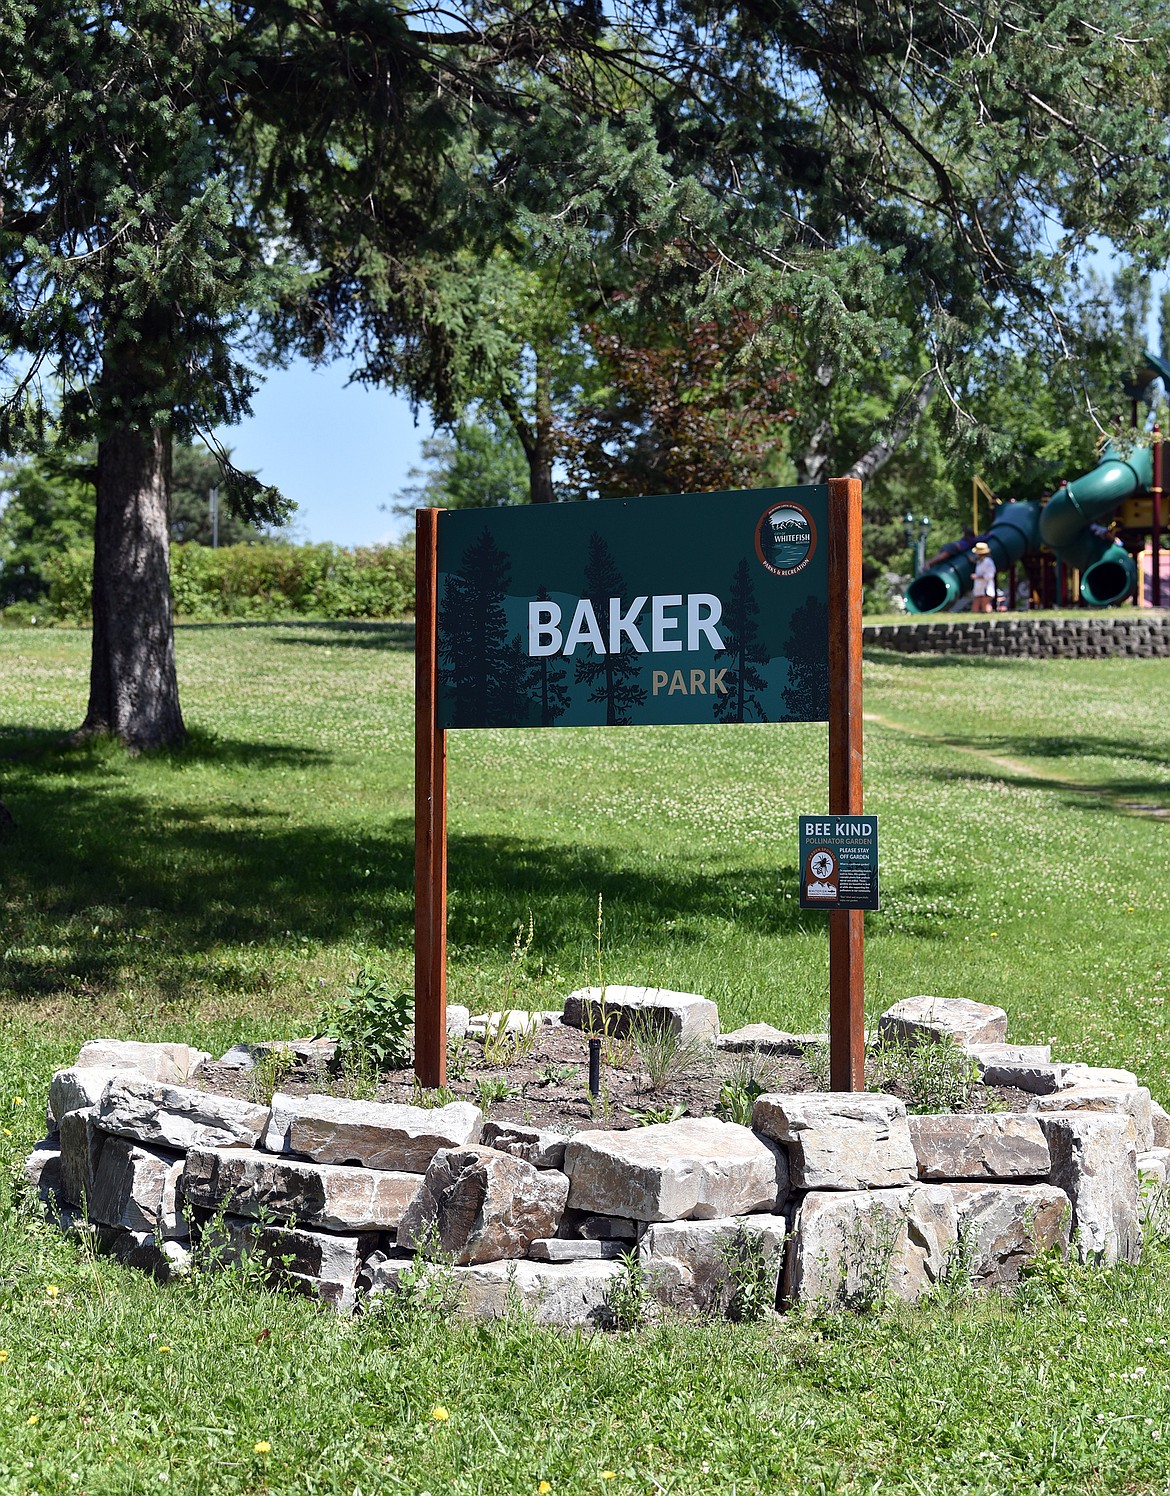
684	608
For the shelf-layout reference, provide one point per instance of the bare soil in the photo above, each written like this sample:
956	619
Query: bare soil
545	1083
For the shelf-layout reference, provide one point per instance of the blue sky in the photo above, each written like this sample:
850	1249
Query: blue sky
339	451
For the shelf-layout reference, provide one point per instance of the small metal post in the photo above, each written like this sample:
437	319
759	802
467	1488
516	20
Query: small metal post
595	1067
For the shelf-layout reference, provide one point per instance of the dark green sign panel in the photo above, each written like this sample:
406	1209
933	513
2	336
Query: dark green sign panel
838	862
682	608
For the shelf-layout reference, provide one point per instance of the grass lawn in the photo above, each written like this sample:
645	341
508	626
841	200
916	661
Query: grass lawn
223	893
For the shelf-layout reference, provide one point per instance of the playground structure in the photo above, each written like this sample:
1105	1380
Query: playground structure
1086	543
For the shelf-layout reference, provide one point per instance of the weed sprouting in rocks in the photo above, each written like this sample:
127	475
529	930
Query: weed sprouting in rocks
626	1298
751	1274
664	1054
490	1088
651	1115
936	1074
750	1075
270	1069
373	1022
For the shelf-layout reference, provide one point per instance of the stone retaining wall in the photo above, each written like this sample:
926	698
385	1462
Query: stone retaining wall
832	1198
1133	634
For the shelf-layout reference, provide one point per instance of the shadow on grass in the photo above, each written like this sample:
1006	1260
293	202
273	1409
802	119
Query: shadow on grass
104	889
1059	746
946	661
324	633
50	753
1121	797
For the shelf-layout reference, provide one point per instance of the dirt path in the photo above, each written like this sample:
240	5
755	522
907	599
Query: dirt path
1041	778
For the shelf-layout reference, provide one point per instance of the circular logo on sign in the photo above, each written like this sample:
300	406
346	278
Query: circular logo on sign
786	539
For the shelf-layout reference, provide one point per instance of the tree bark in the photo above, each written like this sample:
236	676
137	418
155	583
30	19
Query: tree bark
133	688
909	416
536	436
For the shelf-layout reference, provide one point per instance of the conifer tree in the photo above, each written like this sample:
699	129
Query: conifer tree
807	693
480	664
745	650
613	677
545	683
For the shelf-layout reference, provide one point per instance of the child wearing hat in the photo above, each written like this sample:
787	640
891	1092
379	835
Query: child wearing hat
983	587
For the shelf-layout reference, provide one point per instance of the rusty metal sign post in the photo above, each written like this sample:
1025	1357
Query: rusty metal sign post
608	613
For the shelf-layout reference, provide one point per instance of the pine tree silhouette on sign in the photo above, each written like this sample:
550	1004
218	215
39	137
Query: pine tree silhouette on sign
745	649
612	676
479	664
807	693
545	684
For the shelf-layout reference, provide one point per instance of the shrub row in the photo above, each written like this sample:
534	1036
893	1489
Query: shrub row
259	581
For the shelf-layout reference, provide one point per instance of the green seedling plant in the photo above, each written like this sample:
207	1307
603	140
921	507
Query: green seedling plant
493	1088
373	1021
651	1115
430	1096
270	1069
751	1274
557	1075
627	1297
749	1076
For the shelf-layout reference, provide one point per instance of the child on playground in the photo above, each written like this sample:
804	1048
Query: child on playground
983	585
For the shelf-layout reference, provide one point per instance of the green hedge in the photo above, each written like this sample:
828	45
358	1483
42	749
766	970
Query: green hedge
260	581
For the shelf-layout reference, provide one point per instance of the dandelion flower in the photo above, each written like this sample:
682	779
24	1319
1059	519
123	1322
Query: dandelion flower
440	1415
52	1290
609	1475
164	1350
3	1357
261	1446
544	1488
18	1101
34	1418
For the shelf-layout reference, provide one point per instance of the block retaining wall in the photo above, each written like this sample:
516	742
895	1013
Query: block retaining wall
1130	635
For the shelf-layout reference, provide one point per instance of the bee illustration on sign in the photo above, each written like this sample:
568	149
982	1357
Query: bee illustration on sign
820	875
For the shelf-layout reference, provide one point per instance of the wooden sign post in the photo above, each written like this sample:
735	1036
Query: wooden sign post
520	599
430	818
846	926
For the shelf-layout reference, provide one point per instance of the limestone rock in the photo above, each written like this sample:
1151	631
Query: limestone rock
1105	1096
163	1260
42	1168
840	1140
1107	1076
852	1247
540	1147
373	1134
686	1262
554	1293
999	1145
134	1189
954	1018
683	1013
998	1067
458	1021
327	1195
167	1064
78	1087
1160	1125
483	1205
177	1116
80	1143
1002	1226
697	1168
584	1225
382	1272
1153	1167
557	1249
1094	1160
762	1038
284	1250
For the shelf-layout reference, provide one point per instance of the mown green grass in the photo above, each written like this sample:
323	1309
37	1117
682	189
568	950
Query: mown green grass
224	893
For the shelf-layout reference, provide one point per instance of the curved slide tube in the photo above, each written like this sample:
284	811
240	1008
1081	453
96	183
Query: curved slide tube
1067	524
1014	531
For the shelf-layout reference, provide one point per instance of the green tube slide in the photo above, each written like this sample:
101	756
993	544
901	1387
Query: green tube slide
1107	570
1014	531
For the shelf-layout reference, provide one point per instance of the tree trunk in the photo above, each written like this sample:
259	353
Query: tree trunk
909	416
133	689
536	436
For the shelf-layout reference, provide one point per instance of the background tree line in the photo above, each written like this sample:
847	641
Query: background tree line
849	225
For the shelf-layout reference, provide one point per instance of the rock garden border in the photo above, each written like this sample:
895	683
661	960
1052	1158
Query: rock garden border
827	1198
